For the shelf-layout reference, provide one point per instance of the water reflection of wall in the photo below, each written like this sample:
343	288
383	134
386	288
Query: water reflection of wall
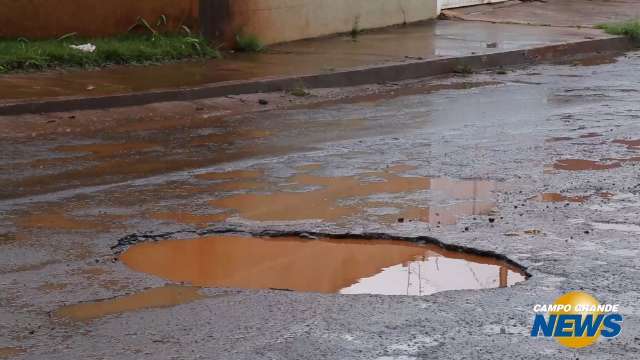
465	198
435	273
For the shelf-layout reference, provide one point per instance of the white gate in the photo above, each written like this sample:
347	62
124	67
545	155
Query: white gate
447	4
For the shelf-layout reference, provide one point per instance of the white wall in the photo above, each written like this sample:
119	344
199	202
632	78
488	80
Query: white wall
285	20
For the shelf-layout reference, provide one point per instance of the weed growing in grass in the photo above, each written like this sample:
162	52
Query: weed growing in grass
299	90
248	43
629	28
24	55
463	69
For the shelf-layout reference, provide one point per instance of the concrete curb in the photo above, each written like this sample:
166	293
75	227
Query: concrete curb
343	78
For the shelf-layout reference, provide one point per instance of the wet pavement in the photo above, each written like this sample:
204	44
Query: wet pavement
429	40
508	165
560	13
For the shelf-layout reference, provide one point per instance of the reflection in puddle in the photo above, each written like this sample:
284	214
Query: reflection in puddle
329	198
320	204
352	266
583	165
166	296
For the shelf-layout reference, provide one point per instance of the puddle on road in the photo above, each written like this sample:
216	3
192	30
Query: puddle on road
556	197
584	165
189	218
9	352
316	198
59	221
52	287
231	175
108	149
590	135
396	92
328	199
630	144
322	203
230	137
161	297
596	59
348	266
568	138
559	138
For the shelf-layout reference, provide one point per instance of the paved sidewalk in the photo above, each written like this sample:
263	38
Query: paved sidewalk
567	13
430	40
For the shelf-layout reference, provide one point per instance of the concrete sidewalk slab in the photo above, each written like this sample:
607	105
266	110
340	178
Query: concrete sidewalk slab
412	51
561	13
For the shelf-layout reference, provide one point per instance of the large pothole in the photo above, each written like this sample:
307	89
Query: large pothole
355	264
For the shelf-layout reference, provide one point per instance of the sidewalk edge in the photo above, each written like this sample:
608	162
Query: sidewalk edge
343	78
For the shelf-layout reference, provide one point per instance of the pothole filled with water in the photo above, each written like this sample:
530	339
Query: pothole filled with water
325	265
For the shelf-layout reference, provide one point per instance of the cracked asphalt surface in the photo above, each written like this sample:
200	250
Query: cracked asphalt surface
64	204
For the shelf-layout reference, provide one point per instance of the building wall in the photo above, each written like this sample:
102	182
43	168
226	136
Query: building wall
53	18
447	4
285	20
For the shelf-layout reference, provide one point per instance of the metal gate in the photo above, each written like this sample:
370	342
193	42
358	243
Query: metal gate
447	4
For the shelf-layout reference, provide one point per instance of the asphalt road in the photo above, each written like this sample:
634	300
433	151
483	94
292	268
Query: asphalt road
552	148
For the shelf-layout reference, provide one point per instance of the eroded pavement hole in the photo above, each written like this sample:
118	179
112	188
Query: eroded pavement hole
345	264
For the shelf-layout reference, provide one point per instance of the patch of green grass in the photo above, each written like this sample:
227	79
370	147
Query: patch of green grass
463	69
26	55
248	43
629	28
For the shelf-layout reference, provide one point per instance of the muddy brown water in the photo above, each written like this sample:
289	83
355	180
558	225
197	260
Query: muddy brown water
346	266
108	149
584	165
556	197
326	200
161	297
10	352
631	144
